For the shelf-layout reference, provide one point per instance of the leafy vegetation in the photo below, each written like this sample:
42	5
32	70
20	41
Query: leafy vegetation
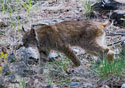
110	69
27	5
2	86
22	84
88	9
58	71
3	58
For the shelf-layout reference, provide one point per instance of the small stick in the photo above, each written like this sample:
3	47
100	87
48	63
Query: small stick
114	43
114	34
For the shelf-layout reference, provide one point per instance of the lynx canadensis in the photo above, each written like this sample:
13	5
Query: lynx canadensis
86	34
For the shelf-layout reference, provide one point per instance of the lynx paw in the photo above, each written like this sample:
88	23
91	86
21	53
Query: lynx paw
110	55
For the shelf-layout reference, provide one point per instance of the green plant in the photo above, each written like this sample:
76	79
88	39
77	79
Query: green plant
2	86
3	58
122	18
110	69
6	6
123	22
88	8
22	84
57	71
27	5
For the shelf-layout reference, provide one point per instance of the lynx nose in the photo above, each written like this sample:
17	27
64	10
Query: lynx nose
37	60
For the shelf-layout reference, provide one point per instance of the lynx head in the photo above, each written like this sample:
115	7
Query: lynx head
30	41
30	38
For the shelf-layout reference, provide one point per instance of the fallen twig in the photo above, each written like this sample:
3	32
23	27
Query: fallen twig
116	43
114	34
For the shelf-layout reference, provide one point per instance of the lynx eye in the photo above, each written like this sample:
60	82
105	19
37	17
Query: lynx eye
26	44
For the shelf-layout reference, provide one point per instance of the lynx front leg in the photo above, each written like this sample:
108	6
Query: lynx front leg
70	54
43	59
44	56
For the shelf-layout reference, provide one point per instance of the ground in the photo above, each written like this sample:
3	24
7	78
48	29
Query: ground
19	72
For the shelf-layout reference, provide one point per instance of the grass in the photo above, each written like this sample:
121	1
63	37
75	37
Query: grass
5	6
57	71
123	20
9	7
27	5
88	9
22	84
3	58
2	86
108	69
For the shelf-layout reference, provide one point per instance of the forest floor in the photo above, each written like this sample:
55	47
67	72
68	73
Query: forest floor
15	72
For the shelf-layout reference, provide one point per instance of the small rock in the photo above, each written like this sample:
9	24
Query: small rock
87	85
10	78
45	86
76	11
20	68
55	22
3	24
1	81
76	50
27	56
123	85
105	86
39	24
52	56
107	5
48	86
32	61
5	70
11	58
40	70
2	32
75	83
30	72
118	17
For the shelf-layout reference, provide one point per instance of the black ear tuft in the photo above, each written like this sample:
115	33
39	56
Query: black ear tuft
23	29
33	31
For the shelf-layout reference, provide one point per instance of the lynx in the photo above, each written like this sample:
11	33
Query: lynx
86	34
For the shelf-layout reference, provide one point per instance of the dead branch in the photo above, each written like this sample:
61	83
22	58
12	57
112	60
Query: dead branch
116	42
114	34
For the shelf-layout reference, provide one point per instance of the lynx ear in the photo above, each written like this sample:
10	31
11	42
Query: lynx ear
23	29
33	31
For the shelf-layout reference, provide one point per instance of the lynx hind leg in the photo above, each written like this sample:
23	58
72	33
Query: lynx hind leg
101	50
70	54
110	55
